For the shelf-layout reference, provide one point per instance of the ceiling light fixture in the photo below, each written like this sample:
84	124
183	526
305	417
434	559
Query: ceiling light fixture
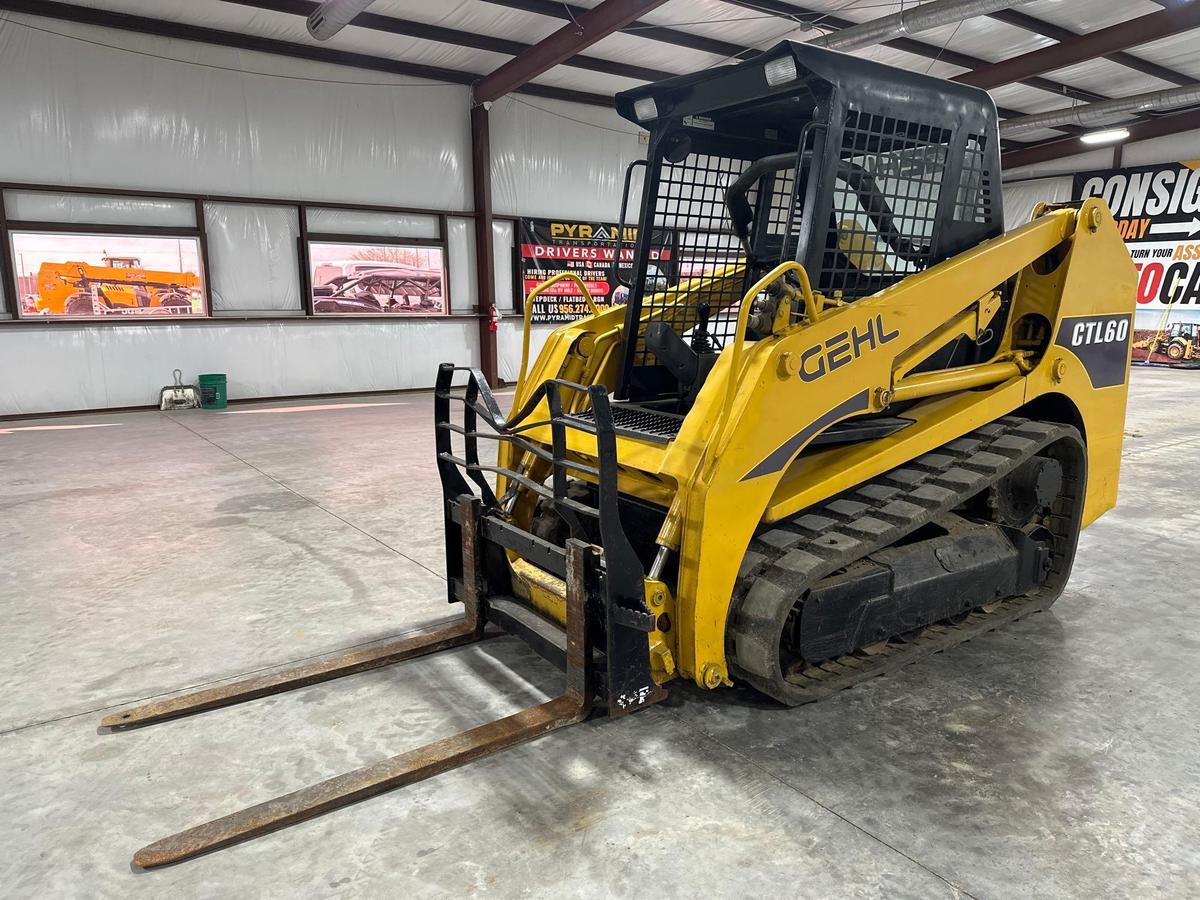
333	15
1108	136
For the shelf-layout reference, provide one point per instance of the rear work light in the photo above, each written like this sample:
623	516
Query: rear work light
780	71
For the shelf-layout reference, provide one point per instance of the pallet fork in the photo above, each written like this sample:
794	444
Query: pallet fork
603	644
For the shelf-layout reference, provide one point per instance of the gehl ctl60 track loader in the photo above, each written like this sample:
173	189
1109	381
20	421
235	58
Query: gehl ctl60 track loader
850	422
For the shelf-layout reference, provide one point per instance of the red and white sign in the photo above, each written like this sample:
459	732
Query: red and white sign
589	249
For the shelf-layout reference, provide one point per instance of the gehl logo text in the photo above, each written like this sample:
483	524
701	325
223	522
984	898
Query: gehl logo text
844	347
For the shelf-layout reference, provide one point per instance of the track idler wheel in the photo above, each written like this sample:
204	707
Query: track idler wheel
1020	496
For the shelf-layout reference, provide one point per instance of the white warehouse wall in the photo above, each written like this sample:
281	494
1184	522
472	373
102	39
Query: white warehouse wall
1020	197
1052	181
125	365
1170	148
238	123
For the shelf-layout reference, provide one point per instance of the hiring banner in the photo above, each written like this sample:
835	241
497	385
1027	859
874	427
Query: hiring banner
550	246
1157	209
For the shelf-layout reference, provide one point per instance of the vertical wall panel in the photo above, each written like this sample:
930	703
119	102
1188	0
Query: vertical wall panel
460	244
508	345
546	164
79	113
503	235
91	367
252	258
1020	197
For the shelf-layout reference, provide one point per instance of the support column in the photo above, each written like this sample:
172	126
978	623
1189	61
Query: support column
485	262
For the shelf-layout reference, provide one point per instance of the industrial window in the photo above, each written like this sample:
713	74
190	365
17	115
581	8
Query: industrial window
377	279
63	274
371	263
84	210
359	222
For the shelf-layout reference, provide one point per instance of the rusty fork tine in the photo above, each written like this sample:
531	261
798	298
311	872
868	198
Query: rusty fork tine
469	630
309	673
342	790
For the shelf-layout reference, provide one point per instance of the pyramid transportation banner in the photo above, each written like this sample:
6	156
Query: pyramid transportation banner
550	246
1157	209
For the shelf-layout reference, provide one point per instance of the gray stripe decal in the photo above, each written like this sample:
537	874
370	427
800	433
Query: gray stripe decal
783	454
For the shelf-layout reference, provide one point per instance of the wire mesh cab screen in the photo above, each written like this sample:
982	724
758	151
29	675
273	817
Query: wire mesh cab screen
886	193
869	174
904	194
690	202
699	294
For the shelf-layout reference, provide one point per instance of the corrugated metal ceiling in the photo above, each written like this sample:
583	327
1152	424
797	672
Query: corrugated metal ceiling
735	23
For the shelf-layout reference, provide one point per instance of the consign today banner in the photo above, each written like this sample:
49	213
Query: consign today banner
1157	209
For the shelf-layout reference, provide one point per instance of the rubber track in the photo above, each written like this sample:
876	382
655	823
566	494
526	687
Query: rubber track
783	563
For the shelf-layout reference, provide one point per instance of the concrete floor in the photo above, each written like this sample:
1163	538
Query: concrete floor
1055	758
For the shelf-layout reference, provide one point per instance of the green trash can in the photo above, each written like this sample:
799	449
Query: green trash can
213	394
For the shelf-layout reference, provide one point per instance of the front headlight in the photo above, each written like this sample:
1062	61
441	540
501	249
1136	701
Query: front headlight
645	109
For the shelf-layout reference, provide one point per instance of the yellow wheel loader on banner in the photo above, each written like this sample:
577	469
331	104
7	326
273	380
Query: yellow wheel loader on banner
121	285
853	422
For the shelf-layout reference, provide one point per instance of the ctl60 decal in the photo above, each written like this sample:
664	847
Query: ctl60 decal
1101	343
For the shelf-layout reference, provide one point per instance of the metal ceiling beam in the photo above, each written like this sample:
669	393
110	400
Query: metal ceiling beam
1092	114
555	10
800	14
661	34
911	20
583	31
1058	33
84	15
1057	148
456	37
1084	47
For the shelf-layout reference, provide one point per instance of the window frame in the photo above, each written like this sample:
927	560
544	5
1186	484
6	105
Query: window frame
305	314
9	228
361	240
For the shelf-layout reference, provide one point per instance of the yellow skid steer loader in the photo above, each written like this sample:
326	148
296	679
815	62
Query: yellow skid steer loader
848	422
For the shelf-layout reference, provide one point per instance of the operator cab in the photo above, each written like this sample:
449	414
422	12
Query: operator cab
122	262
862	172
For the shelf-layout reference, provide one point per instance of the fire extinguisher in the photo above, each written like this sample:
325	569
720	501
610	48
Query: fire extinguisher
494	324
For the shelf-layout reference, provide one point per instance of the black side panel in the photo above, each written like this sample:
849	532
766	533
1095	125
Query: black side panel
1101	343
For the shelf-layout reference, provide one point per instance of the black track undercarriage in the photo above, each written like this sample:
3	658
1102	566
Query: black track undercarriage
954	543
